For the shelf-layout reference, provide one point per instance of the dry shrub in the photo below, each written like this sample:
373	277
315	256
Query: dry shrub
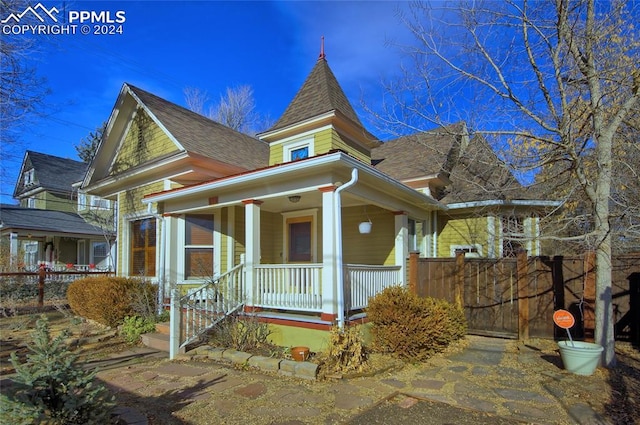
243	333
413	328
108	300
346	352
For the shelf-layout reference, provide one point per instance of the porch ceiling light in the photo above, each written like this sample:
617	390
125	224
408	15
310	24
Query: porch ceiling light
294	198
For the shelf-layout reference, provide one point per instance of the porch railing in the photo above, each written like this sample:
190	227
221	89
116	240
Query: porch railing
202	308
288	286
362	281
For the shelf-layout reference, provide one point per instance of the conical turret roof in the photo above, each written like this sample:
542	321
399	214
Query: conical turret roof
320	93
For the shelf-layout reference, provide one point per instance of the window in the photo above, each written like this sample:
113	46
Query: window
299	239
297	150
513	235
31	254
198	246
98	203
99	253
473	251
31	202
29	177
300	153
143	248
82	202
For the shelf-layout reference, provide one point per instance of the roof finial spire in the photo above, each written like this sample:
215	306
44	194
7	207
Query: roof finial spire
322	55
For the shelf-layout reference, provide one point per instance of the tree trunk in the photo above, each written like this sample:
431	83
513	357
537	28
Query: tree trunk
604	306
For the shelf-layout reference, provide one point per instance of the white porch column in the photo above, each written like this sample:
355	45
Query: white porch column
13	249
329	304
252	244
402	243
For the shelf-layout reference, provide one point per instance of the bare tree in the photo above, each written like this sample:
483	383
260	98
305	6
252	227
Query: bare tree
236	108
22	91
554	81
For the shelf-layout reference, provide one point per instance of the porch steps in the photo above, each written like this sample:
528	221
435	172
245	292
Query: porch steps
159	339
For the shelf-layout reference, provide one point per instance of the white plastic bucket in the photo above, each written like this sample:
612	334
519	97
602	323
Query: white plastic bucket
581	358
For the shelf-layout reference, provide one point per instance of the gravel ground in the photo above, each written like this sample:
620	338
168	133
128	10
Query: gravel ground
218	393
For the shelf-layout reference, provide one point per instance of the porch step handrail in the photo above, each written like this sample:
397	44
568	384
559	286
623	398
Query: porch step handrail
204	307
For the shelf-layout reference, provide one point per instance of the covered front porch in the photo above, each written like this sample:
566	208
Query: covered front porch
288	245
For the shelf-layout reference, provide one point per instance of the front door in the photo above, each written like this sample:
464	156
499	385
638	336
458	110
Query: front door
299	239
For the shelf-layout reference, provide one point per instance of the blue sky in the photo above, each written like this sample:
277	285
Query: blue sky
167	46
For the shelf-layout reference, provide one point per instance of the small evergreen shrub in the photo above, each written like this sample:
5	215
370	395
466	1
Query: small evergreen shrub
108	300
52	388
134	326
413	328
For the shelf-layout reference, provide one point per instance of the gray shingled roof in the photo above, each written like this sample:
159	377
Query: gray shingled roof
476	175
202	136
52	173
417	155
320	93
18	218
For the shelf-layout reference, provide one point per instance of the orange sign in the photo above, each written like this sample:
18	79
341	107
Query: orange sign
563	319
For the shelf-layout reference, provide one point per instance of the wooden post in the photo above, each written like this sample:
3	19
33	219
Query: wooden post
523	295
589	296
459	280
42	274
413	271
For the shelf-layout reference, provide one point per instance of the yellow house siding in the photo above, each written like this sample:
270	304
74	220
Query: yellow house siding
270	238
239	231
51	201
377	247
323	141
224	239
144	142
463	231
338	142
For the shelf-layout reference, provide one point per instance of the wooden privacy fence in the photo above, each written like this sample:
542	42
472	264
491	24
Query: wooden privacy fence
516	297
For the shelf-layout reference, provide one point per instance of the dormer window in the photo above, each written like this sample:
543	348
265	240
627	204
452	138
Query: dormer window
300	153
295	151
29	177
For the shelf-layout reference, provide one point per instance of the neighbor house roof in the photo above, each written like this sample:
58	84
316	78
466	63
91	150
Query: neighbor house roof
421	154
479	175
200	135
320	93
474	170
15	218
52	173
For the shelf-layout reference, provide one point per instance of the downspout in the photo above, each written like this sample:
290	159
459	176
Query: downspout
339	272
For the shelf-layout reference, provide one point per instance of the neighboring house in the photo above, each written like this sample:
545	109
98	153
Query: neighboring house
47	228
284	215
